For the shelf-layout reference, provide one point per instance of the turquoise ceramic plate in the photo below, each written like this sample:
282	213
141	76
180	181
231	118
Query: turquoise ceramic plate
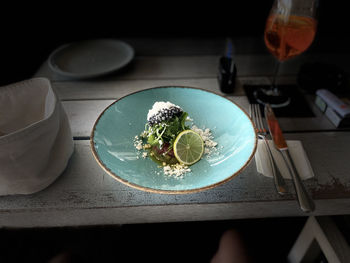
112	140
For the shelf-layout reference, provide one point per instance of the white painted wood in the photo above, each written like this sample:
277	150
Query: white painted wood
153	213
206	66
329	238
83	114
115	89
85	195
303	243
156	67
85	189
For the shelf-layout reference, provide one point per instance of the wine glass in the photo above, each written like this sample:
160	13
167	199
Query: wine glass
290	29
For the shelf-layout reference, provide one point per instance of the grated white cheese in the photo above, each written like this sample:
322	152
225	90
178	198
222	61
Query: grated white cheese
176	171
138	143
158	106
209	144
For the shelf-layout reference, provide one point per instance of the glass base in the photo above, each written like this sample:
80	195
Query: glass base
274	97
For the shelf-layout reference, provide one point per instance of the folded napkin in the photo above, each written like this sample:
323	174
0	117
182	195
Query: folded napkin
35	137
297	153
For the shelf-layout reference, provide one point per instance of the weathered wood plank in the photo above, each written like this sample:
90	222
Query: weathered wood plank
85	185
172	67
164	213
328	238
83	114
85	188
155	68
85	195
115	89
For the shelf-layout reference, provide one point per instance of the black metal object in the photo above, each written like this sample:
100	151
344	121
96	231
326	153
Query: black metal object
227	74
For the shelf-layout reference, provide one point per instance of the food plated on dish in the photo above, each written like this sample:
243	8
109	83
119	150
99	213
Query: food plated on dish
145	138
172	141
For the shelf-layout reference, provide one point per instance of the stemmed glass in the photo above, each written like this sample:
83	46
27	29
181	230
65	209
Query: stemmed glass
290	29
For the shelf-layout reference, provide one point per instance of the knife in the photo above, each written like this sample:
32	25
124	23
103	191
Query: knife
305	202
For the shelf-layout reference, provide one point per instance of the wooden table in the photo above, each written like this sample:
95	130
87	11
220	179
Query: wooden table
85	195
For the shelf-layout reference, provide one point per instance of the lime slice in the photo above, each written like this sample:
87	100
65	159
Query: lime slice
188	147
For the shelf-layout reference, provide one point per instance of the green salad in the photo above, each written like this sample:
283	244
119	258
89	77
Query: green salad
165	121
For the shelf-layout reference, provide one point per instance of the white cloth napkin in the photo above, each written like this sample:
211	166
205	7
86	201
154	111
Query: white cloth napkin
35	137
297	153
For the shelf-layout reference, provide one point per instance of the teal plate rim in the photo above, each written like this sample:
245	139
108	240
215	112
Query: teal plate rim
158	191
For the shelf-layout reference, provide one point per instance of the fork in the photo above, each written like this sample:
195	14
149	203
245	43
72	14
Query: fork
255	114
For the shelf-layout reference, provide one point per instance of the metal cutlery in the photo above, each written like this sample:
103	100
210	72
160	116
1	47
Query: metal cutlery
255	114
305	202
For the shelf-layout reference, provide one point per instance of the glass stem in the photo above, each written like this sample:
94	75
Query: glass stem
274	76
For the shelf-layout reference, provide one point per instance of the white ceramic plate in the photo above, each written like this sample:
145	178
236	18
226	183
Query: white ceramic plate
90	58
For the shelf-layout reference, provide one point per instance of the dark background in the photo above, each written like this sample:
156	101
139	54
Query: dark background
30	33
265	240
